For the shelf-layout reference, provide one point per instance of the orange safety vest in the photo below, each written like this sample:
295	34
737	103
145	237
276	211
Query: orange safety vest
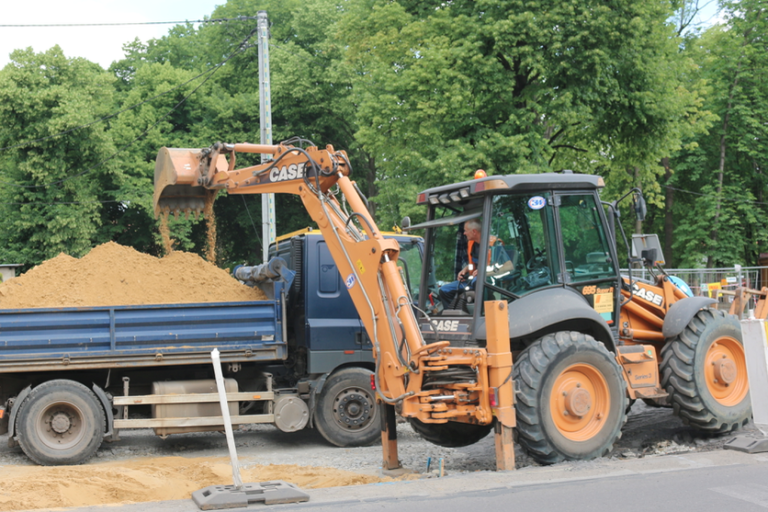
471	244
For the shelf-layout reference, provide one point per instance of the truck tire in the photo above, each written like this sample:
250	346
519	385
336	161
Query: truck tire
451	434
346	413
704	370
571	398
60	423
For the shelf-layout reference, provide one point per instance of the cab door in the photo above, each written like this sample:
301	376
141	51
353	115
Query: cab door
588	257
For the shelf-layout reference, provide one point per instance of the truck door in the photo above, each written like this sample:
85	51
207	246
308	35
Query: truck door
334	331
589	262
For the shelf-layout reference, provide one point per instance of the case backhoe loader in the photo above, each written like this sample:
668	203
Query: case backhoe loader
585	338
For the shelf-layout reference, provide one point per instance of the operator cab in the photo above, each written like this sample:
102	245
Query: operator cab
552	229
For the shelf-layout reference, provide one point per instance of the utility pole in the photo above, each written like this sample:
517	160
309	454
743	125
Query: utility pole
265	121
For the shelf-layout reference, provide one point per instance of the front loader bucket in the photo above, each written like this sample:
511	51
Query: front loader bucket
177	172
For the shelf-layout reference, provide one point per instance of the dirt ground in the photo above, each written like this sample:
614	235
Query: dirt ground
142	467
113	275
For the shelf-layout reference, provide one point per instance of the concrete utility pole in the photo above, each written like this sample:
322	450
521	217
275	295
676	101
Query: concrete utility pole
265	121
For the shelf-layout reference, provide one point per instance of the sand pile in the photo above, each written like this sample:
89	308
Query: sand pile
113	275
142	480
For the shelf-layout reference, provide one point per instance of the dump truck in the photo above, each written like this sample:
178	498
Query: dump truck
71	378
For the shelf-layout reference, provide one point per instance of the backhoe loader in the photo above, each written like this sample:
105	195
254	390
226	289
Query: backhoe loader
585	338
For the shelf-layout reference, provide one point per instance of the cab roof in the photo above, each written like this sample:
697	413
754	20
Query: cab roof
512	183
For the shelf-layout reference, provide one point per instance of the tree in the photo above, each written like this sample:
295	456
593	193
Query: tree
512	86
53	181
723	222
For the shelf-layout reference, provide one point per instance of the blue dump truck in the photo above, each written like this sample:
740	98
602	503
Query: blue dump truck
71	378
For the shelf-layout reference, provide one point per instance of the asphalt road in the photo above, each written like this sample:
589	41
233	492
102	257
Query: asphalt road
705	482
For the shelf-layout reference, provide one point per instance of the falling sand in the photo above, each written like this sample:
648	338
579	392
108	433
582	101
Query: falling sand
150	479
115	275
210	224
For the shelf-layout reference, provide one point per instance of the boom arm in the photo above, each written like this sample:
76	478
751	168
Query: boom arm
434	382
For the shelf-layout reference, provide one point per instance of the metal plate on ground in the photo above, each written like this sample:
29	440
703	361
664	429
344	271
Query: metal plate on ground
216	497
749	443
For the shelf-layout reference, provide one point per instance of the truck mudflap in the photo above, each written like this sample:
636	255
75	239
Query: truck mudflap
14	411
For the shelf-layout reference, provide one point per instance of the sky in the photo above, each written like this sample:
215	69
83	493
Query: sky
97	44
104	44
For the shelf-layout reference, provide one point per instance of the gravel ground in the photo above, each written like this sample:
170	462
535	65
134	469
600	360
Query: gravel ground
649	432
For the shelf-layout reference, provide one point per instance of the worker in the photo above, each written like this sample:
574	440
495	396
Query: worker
498	264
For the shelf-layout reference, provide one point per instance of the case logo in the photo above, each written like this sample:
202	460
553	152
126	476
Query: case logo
648	295
287	172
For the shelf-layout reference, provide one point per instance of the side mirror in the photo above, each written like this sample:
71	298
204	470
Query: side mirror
640	208
405	223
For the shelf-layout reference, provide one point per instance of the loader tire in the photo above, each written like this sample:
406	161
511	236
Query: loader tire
571	398
60	423
451	434
704	370
346	412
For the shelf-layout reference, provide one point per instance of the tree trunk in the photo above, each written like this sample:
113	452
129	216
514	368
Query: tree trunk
638	223
669	222
721	167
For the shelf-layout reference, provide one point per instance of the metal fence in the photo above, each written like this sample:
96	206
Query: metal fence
705	281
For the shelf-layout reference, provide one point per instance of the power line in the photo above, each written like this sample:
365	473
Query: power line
212	20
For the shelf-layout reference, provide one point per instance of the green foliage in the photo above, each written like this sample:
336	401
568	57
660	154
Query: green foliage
52	188
513	86
419	93
725	224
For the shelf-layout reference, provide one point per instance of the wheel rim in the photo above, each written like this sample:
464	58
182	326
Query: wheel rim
60	425
580	402
353	408
725	370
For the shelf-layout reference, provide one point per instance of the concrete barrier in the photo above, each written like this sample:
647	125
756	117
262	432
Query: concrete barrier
756	352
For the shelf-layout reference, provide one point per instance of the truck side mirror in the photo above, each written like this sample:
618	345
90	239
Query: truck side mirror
405	223
640	208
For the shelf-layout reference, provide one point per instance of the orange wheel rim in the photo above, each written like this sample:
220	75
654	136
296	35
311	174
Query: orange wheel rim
725	370
580	402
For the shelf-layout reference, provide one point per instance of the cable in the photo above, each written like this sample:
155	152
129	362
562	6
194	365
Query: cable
212	20
41	203
242	47
251	218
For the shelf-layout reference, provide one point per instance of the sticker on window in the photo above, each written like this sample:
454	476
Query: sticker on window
537	203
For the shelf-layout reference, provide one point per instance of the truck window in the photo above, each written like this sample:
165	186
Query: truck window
585	245
410	261
523	227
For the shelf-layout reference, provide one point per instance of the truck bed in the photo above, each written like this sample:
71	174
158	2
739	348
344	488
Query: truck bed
140	336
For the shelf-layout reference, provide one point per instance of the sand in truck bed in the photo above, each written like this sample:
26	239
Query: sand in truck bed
115	275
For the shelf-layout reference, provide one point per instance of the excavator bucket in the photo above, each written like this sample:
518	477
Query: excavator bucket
177	175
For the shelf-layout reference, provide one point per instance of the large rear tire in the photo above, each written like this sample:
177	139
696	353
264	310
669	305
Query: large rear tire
60	423
451	434
346	413
704	370
571	398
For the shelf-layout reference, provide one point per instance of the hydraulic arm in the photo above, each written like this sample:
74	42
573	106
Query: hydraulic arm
433	382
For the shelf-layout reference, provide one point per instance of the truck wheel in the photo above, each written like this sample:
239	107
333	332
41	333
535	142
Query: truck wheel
346	413
60	423
451	434
571	398
704	370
